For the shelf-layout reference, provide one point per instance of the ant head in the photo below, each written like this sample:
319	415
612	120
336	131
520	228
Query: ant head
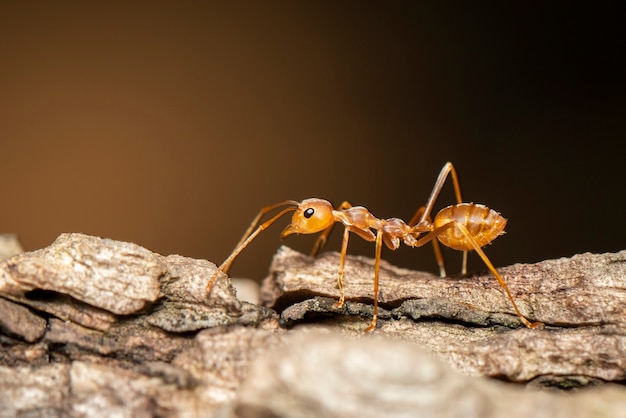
311	216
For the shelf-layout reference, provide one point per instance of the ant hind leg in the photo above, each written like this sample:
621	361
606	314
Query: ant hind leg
474	246
436	247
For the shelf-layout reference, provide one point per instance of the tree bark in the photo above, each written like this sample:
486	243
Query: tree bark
468	321
96	327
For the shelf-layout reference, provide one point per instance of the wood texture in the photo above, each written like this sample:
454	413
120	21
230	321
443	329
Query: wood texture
585	290
97	327
467	321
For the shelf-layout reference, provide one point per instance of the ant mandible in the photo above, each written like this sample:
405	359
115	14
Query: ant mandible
462	226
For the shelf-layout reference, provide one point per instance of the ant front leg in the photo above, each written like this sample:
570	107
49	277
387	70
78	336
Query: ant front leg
254	224
340	272
379	248
249	235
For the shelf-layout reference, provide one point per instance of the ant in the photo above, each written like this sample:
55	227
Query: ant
462	226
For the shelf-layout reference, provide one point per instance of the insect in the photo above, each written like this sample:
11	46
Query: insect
462	226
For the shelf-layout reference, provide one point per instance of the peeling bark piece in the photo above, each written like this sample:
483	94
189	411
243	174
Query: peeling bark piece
587	289
187	306
20	321
9	246
187	280
326	375
319	307
255	315
69	309
8	286
119	277
522	354
131	339
186	317
70	334
435	308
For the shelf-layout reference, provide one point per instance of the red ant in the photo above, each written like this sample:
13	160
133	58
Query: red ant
462	226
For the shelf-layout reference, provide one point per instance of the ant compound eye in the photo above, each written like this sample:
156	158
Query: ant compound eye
309	212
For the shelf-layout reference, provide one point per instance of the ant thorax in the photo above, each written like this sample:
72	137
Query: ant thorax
358	217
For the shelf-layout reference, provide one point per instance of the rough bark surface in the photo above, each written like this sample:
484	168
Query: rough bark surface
96	327
468	321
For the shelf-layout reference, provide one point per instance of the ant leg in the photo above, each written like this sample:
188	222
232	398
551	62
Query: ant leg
493	270
379	247
226	266
417	216
464	266
340	272
448	168
439	258
247	238
485	259
436	248
320	242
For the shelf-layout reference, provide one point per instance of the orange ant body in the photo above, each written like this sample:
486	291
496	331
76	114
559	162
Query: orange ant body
462	226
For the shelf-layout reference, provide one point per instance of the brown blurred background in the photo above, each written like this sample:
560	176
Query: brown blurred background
170	124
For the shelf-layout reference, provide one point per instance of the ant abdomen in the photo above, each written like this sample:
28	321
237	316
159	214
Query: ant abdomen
483	224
